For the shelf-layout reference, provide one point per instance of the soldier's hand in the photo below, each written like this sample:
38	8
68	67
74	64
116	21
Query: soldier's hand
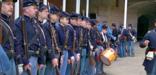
55	62
91	47
78	57
62	59
146	42
58	49
27	67
72	59
20	68
41	66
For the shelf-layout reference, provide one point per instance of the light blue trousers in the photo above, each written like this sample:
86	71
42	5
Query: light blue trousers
65	62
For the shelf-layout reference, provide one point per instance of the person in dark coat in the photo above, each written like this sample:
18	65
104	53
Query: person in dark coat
7	37
149	41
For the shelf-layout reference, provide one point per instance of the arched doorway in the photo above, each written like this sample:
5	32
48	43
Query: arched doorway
142	26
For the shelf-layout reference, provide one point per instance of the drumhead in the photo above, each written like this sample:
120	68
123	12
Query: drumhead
106	61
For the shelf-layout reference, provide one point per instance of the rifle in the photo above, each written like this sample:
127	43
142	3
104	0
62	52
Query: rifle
0	25
53	36
9	33
80	48
25	40
12	22
54	43
57	70
44	47
91	58
74	41
74	48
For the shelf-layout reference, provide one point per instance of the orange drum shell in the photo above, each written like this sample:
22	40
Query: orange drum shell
110	55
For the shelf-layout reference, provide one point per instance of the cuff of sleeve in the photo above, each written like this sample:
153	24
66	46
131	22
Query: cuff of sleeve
25	61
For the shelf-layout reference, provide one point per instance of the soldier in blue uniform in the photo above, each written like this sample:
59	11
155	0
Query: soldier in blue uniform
105	37
72	40
131	38
41	16
65	40
5	62
115	33
83	45
128	38
122	43
91	64
74	23
8	37
150	58
29	47
98	47
52	42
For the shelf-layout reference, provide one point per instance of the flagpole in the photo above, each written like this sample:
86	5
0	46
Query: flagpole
78	6
64	5
125	13
87	8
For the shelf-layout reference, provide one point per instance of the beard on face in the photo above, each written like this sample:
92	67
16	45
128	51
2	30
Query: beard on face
10	12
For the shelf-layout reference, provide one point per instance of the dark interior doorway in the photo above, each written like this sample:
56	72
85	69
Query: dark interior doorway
142	27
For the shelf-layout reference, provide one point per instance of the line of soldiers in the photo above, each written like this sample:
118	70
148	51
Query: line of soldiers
47	41
63	45
126	39
122	39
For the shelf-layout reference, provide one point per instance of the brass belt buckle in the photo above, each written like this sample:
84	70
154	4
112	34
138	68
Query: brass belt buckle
37	52
12	51
65	46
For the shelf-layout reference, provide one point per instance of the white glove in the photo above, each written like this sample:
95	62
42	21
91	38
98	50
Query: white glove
91	47
72	59
20	68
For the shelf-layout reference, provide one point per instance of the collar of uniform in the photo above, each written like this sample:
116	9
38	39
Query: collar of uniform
5	17
27	17
53	23
62	25
75	26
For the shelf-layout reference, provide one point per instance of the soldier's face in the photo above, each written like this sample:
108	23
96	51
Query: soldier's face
79	22
64	20
104	30
54	17
73	21
129	27
7	8
32	10
83	23
87	25
44	14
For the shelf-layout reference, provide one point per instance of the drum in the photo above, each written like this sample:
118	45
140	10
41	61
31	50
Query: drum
108	56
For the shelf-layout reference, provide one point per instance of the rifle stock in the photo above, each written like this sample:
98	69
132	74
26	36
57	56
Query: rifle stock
57	70
54	42
91	58
25	43
0	25
74	48
72	69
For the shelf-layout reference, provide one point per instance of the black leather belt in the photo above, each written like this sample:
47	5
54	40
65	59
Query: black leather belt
10	53
34	53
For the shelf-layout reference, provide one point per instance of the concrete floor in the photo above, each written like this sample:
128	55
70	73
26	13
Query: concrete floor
128	65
